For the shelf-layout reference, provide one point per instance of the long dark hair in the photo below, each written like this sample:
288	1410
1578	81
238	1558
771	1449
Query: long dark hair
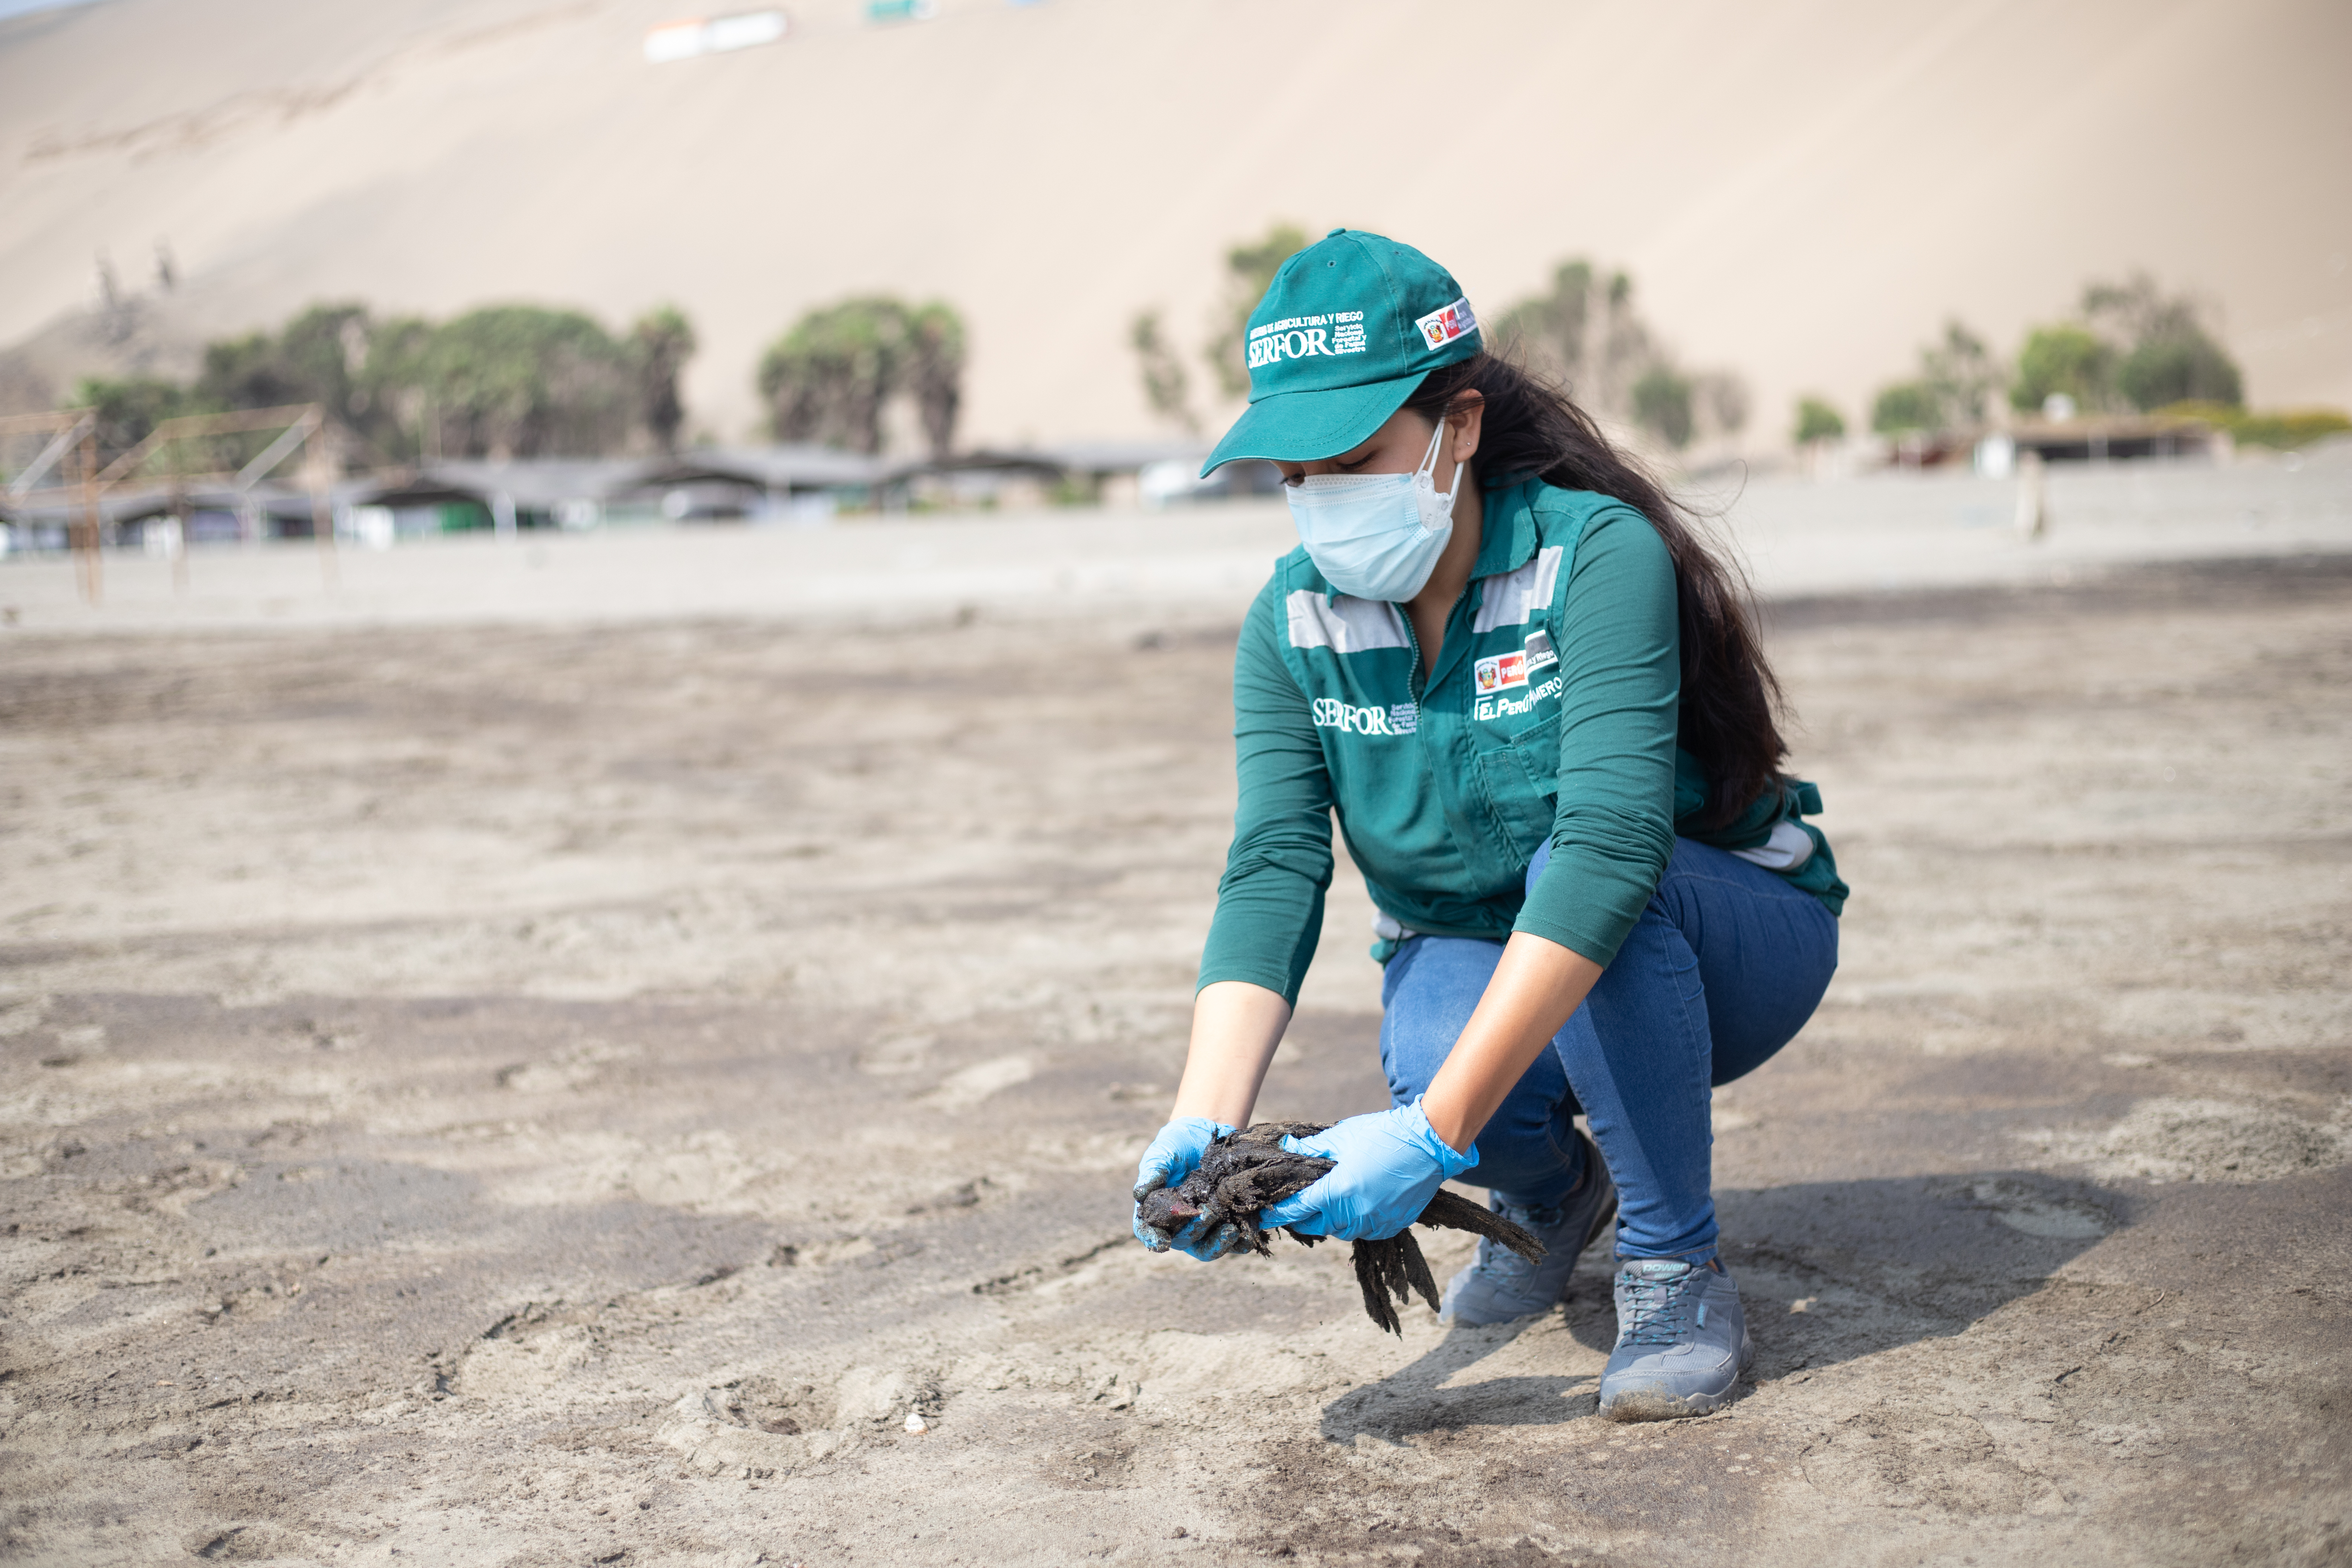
1730	700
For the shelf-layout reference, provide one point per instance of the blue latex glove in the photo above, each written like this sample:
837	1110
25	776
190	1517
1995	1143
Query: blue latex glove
1390	1163
1170	1158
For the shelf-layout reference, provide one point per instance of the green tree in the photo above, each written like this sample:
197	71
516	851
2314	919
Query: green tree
322	353
1584	333
1249	272
2181	366
660	344
827	379
1626	351
513	380
521	381
1958	376
317	357
129	408
1818	421
830	377
249	373
1962	373
508	381
1662	406
1165	387
935	341
1547	331
2067	358
394	394
2137	310
2130	344
1907	407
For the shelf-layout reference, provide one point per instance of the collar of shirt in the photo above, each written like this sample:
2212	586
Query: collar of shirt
1507	535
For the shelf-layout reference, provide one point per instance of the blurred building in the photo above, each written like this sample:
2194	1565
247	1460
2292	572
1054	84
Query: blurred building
2115	437
158	517
785	484
754	484
463	496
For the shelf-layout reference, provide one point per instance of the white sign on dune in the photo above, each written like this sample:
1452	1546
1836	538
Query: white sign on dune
716	35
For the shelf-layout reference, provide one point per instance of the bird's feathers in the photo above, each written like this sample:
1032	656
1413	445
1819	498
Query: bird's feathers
1243	1173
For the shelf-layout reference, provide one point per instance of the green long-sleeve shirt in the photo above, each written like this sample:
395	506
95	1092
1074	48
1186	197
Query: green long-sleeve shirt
1550	713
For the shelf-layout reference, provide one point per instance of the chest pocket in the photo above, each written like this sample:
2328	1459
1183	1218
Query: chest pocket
1535	750
1516	738
1521	773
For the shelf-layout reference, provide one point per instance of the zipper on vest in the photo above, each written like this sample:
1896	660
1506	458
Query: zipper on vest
1412	640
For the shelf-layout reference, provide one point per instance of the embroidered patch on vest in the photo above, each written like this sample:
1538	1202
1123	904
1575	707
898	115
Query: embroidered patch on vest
1399	719
1491	708
1515	598
1344	624
1502	670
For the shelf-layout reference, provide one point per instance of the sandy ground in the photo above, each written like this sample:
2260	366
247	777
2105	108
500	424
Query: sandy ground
552	1094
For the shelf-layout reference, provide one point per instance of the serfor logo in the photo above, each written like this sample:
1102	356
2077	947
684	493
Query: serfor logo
1303	337
1398	719
1440	328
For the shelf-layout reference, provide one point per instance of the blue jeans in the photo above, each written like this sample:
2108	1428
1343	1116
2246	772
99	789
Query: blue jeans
1722	969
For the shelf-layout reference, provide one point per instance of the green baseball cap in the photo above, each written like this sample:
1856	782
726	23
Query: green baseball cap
1348	328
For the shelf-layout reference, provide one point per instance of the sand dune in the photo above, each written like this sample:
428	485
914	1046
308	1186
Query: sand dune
1804	191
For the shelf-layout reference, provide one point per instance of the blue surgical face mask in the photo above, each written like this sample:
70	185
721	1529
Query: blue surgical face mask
1377	536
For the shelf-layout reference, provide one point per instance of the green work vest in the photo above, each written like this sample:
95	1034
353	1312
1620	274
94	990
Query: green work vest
1445	778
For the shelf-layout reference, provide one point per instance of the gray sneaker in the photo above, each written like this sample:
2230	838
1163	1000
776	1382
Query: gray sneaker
1502	1285
1682	1341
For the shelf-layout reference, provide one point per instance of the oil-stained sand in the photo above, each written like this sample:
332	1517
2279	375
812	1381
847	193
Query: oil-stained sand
556	1097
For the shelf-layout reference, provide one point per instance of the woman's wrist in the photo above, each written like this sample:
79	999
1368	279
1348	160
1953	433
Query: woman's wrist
1535	988
1449	1120
1236	1028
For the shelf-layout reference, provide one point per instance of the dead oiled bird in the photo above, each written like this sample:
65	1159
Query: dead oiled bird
1243	1173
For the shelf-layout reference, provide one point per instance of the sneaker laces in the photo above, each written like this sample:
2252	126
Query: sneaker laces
1656	1308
